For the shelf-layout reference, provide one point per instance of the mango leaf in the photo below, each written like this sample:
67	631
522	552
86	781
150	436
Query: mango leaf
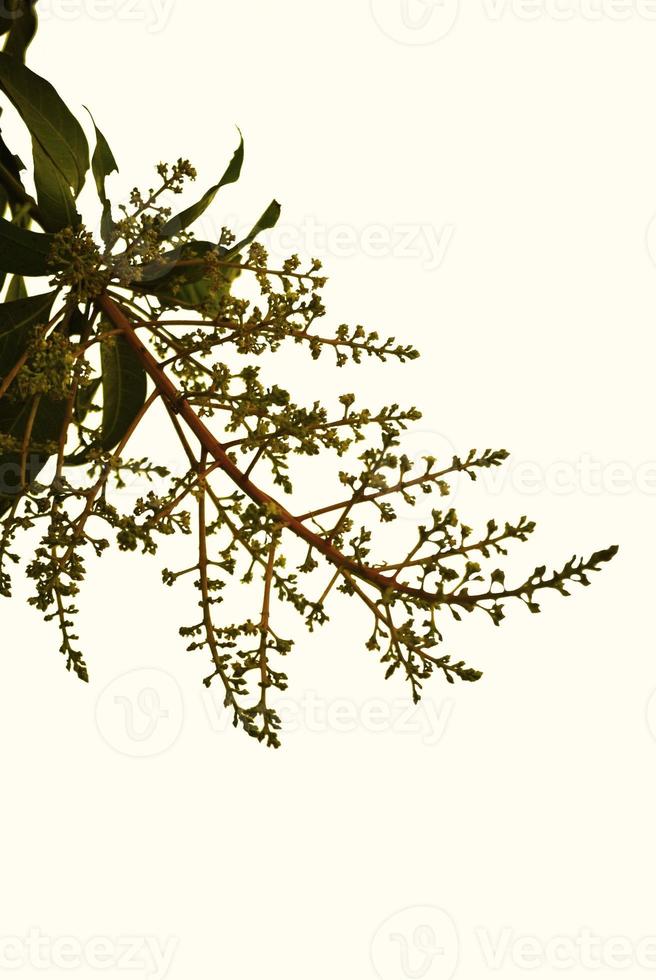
77	326
77	322
10	12
10	161
84	399
169	263
24	252
4	202
205	294
20	21
46	429
51	124
268	220
17	320
181	221
124	390
103	164
13	191
16	289
56	203
190	295
187	286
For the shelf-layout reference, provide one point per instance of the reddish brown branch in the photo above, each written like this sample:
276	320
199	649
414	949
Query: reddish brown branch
180	406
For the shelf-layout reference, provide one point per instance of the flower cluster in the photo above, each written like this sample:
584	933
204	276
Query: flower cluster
153	316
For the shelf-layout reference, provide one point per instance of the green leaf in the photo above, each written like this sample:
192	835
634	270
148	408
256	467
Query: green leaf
187	287
24	252
46	430
84	398
17	320
124	390
268	220
77	326
52	125
13	191
77	322
10	161
9	15
4	202
20	21
56	203
103	164
181	221
16	289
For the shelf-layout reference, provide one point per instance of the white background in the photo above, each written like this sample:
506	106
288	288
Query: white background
522	806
